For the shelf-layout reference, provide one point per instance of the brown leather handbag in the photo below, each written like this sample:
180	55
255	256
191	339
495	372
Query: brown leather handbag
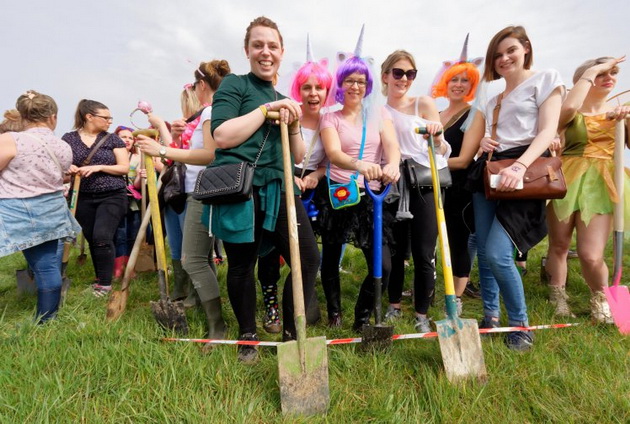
543	179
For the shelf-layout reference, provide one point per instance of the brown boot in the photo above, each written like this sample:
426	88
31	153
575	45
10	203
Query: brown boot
558	297
600	310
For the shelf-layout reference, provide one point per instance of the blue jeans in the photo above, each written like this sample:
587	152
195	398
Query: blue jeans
174	224
45	261
497	271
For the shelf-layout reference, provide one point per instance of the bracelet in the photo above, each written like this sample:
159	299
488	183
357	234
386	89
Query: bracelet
589	80
263	109
521	163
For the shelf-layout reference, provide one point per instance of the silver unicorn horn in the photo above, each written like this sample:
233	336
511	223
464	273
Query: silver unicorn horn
464	56
359	48
309	49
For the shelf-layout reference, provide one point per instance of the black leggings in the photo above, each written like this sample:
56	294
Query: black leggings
460	223
241	283
99	215
331	255
424	232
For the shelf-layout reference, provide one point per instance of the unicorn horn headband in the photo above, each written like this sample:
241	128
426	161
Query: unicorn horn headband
464	56
359	48
310	57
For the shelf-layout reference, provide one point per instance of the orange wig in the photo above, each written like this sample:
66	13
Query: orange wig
439	88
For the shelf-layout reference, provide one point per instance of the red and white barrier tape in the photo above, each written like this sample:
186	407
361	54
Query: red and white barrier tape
428	335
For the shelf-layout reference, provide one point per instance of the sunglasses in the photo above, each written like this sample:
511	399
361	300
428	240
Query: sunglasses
398	73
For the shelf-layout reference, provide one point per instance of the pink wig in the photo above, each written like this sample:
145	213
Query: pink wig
318	69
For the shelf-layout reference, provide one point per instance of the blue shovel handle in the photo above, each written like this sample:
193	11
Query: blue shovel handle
378	228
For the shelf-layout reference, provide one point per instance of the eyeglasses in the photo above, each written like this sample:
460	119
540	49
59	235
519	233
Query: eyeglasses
351	82
398	73
107	118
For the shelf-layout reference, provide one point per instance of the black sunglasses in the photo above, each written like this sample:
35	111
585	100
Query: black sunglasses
398	73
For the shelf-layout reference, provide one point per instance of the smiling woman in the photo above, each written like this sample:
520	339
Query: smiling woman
242	132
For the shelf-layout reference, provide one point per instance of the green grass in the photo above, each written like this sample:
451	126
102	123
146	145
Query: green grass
82	369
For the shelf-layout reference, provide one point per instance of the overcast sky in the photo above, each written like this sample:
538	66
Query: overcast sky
121	51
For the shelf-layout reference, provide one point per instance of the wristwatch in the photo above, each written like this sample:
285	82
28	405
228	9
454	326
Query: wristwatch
162	152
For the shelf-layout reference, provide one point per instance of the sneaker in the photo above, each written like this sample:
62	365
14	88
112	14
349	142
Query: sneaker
572	254
248	354
422	325
392	313
101	291
488	322
472	290
407	293
519	340
272	323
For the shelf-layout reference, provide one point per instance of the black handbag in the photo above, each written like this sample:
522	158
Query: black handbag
230	183
173	190
219	185
419	175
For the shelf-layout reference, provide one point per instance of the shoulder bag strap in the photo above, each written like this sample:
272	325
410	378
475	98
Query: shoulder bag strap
356	174
495	121
310	151
50	153
97	146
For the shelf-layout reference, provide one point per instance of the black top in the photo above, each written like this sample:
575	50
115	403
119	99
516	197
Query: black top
99	181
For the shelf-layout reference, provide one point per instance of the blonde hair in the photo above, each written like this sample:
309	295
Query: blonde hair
12	122
36	107
189	101
388	64
589	64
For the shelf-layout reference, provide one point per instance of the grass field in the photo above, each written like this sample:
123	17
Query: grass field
82	369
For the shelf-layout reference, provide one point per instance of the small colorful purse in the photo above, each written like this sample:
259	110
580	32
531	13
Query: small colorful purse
346	194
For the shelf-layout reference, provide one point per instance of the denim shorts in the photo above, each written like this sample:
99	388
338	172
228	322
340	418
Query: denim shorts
32	221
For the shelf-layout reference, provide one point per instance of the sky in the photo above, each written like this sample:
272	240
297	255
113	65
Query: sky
121	51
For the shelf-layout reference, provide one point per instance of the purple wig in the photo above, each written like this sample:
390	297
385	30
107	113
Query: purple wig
349	67
317	69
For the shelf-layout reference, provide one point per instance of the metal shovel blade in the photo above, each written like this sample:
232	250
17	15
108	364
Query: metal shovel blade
304	387
460	345
376	337
170	315
619	301
25	282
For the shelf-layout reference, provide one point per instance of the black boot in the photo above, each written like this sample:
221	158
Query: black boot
363	308
313	314
332	290
180	281
47	304
214	318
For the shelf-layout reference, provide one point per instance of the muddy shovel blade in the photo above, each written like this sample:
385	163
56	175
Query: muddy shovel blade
461	349
170	315
304	387
376	337
618	298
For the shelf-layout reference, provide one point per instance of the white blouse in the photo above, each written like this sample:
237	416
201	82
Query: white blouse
318	154
518	116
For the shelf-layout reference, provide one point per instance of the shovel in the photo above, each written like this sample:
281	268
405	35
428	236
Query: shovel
459	338
377	336
618	296
118	299
65	281
145	261
170	315
82	256
302	363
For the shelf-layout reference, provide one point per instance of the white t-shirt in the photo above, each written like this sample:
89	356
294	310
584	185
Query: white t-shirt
196	142
518	116
318	155
414	145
